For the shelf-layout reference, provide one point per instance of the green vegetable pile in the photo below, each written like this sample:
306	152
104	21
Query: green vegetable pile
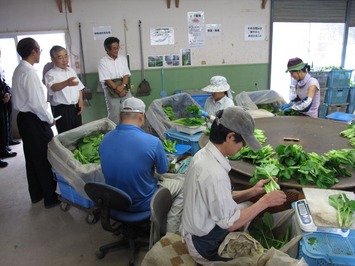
169	111
261	228
169	145
345	209
193	110
307	168
87	150
190	121
289	112
350	134
291	162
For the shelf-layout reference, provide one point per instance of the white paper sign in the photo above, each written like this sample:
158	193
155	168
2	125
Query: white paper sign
254	32
162	36
213	29
101	32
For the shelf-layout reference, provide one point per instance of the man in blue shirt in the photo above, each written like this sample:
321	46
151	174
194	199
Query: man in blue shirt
130	157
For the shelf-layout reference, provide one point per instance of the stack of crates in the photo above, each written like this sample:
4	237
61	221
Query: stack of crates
351	107
322	78
336	97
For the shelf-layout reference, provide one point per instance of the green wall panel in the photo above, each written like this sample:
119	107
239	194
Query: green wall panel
240	78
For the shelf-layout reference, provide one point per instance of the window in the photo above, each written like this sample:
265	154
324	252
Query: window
313	30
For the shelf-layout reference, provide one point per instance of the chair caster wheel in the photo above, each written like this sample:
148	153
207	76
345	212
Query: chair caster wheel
100	254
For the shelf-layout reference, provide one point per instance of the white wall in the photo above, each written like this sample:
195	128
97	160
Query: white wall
229	48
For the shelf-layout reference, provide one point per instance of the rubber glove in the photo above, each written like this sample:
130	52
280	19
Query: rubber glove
286	106
203	113
286	109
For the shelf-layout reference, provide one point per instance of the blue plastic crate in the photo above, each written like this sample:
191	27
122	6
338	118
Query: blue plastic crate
322	249
352	95
186	139
337	95
342	117
322	111
339	78
70	194
351	108
201	98
322	78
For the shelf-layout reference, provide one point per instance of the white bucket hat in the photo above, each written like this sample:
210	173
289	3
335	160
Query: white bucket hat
217	84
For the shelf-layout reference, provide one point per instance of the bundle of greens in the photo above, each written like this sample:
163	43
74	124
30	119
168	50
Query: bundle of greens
87	150
345	209
169	145
254	157
169	111
266	171
190	121
193	110
350	134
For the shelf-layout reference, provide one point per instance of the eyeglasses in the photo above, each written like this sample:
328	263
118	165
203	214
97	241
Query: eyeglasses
38	49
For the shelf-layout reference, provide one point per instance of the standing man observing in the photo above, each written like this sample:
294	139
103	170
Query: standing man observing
114	77
211	209
65	88
34	123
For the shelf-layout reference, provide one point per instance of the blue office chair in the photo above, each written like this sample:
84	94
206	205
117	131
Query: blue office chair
113	204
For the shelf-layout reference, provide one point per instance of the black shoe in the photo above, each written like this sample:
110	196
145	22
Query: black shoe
14	142
3	164
51	203
7	154
36	200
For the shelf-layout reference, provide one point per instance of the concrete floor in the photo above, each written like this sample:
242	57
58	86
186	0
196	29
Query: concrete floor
33	236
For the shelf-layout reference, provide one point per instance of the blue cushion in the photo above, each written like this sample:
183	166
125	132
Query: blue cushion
130	216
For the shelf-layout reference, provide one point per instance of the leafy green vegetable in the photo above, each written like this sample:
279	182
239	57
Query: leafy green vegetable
261	228
345	209
266	171
87	150
169	145
190	121
192	109
169	111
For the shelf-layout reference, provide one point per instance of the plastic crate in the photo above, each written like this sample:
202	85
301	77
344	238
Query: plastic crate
182	138
201	98
191	130
352	95
337	95
327	249
351	108
337	108
322	78
342	117
322	92
322	111
70	194
339	78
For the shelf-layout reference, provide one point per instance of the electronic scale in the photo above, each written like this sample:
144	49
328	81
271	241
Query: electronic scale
306	222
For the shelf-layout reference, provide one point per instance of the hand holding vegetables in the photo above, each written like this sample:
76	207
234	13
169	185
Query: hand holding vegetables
203	113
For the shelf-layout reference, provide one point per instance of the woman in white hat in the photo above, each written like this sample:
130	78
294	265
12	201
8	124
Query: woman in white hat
221	97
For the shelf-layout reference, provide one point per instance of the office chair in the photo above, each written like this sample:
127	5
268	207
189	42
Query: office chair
113	204
159	207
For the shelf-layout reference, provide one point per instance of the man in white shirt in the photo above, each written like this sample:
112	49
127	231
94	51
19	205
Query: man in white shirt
210	209
34	123
65	90
114	77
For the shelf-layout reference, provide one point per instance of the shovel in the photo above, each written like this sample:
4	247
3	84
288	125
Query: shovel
143	87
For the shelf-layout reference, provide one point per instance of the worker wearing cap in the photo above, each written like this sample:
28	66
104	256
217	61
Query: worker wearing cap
220	99
307	89
129	159
211	209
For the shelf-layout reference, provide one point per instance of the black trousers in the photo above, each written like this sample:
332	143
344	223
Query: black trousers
36	135
70	118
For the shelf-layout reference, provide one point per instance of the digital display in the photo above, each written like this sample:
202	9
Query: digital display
302	209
